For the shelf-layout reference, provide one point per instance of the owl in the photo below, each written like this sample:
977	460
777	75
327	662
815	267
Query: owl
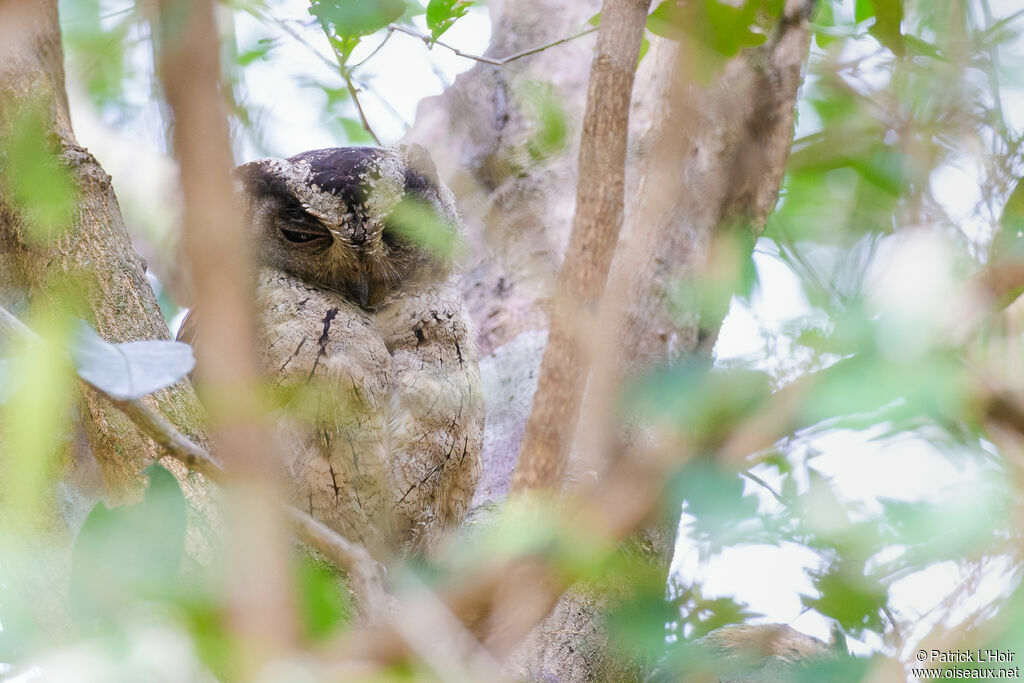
366	341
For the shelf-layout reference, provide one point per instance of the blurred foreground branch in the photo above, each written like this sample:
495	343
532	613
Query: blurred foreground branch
228	369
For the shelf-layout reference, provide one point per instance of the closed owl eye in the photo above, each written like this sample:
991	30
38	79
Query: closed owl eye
302	235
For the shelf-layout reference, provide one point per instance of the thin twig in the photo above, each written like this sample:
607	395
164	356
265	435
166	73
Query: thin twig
354	92
364	60
282	24
346	71
486	60
349	85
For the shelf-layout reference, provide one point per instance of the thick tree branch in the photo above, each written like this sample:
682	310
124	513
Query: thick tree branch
581	281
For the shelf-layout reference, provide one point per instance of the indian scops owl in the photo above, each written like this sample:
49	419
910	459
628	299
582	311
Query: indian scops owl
367	340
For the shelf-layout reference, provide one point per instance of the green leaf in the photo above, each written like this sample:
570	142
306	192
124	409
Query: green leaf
714	496
714	31
323	603
33	175
357	17
850	595
258	53
354	130
1008	242
665	21
645	45
824	21
887	26
441	14
863	10
548	120
132	369
131	551
91	40
416	221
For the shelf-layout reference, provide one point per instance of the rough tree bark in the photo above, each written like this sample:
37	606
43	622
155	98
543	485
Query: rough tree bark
94	251
94	255
701	159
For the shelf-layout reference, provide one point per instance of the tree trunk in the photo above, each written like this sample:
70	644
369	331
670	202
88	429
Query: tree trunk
703	160
94	258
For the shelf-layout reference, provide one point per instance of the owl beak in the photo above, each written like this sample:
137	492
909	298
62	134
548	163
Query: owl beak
362	290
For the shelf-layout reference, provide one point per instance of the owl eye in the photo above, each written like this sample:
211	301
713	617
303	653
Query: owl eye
299	235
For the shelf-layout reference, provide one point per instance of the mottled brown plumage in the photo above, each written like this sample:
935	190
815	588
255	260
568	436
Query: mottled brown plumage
367	341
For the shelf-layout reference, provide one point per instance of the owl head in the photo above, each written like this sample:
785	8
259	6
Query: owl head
357	220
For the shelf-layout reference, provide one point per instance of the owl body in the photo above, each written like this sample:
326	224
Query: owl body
437	410
367	342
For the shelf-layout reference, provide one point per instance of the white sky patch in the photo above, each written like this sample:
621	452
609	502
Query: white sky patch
777	299
394	80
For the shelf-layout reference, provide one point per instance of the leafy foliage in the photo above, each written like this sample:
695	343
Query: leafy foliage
442	14
714	30
35	178
129	551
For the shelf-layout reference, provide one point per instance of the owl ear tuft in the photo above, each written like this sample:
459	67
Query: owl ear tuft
420	169
262	177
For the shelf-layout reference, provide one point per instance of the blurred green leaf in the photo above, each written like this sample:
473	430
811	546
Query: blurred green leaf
863	10
33	175
702	615
645	45
545	111
887	26
1008	241
354	130
34	422
129	552
258	53
417	222
705	404
715	30
132	369
97	46
714	496
850	595
351	18
323	602
823	23
441	14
